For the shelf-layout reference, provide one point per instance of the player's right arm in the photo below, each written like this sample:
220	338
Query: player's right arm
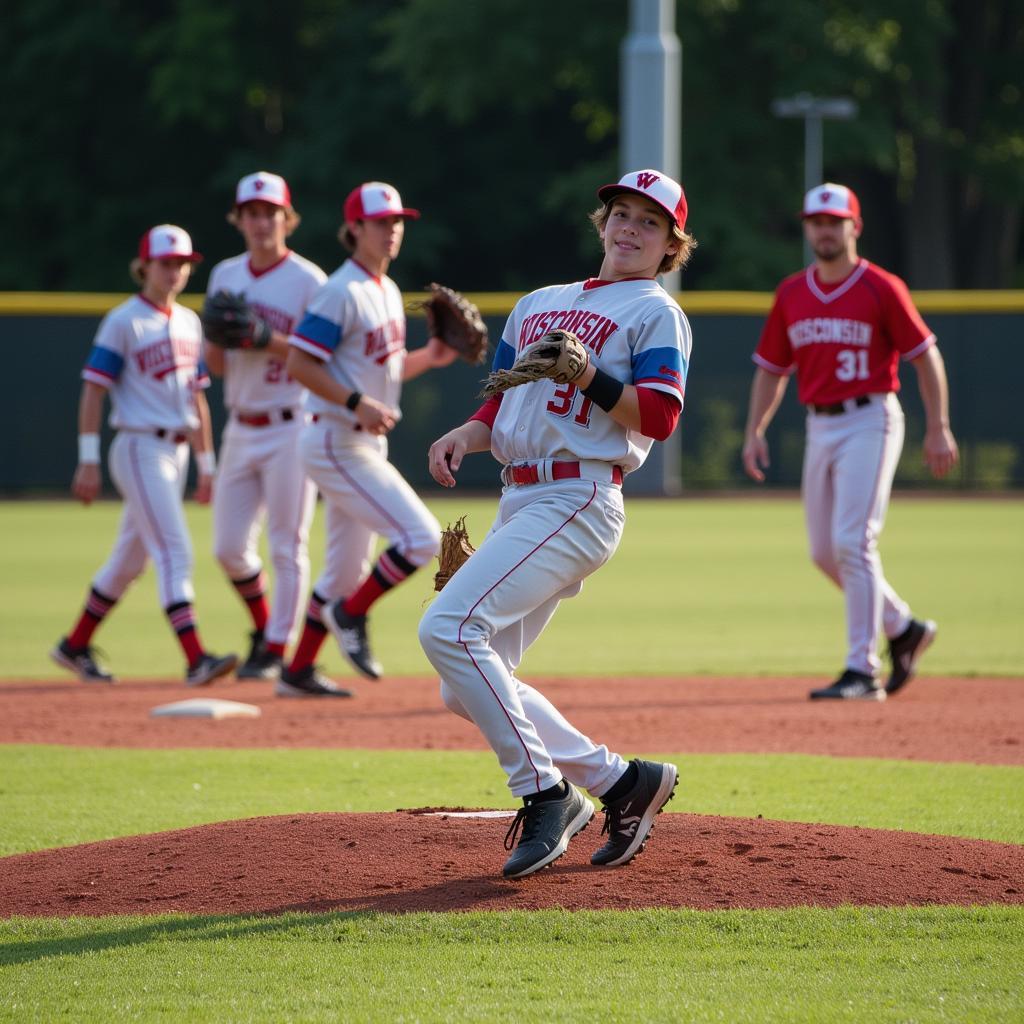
88	479
766	391
447	452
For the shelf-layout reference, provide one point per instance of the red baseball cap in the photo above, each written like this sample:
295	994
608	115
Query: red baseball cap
265	188
167	240
658	187
833	200
373	200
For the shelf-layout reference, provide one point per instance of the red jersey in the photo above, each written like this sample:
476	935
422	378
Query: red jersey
845	339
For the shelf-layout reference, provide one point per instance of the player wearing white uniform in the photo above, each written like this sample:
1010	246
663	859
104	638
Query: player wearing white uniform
842	325
349	350
147	355
565	449
261	472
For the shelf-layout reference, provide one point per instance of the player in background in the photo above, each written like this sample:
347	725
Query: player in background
261	475
842	326
349	350
147	355
565	449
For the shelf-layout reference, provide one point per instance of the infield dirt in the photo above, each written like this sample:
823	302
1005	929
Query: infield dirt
416	860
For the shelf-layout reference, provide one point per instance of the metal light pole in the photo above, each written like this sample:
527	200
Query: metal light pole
650	77
814	110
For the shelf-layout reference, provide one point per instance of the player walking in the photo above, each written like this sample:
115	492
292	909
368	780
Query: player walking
565	449
261	472
349	350
147	355
842	325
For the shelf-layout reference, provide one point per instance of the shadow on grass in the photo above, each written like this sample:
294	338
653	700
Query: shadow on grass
201	928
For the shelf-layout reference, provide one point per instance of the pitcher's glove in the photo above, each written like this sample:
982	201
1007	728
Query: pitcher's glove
457	322
559	355
455	549
230	322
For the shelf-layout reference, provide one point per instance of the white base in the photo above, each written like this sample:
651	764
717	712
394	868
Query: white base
206	707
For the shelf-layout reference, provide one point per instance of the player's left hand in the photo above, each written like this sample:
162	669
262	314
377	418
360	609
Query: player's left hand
439	354
940	451
204	488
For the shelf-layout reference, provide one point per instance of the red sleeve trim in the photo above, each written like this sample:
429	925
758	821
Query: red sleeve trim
659	413
488	411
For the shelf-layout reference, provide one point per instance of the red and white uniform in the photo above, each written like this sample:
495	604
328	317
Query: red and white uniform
560	518
845	341
355	324
149	359
261	471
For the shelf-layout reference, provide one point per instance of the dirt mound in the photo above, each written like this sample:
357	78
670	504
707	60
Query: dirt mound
425	860
974	720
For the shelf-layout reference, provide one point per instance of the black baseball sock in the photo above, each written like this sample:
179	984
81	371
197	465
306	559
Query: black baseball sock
556	792
625	783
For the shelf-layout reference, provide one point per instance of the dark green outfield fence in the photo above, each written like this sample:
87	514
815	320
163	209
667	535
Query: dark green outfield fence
46	338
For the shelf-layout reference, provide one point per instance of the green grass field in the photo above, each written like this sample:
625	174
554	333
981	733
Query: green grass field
699	586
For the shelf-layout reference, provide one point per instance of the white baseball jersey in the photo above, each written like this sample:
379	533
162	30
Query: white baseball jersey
255	380
634	331
150	360
356	324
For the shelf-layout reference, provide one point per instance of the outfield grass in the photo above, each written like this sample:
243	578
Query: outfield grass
894	964
57	796
697	587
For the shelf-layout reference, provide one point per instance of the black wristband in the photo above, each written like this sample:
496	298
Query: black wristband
353	400
604	390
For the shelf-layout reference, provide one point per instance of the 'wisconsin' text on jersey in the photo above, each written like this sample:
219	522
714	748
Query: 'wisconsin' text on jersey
162	357
834	330
383	340
593	329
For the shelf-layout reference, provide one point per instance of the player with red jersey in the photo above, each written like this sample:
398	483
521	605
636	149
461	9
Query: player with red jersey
842	326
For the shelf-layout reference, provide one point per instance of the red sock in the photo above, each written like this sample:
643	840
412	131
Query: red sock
391	569
312	639
253	591
277	649
184	625
97	606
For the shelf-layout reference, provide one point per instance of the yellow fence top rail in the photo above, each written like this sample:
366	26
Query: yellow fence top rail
501	303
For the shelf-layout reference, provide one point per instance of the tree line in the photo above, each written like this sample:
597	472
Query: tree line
499	119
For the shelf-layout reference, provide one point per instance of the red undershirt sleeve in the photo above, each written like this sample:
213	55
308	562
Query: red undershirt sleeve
659	413
488	411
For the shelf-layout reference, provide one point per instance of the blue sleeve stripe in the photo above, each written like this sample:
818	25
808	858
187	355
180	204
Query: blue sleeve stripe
105	361
660	364
504	356
319	331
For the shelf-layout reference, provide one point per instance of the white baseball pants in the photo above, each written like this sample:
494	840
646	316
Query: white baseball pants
261	476
150	474
849	464
365	497
546	540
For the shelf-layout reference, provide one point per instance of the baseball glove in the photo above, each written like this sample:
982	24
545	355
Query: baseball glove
457	322
230	322
455	549
559	356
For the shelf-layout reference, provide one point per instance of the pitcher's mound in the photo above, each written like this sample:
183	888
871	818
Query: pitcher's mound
422	860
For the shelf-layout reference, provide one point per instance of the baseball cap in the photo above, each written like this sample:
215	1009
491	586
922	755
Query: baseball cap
373	200
834	200
263	187
658	187
167	240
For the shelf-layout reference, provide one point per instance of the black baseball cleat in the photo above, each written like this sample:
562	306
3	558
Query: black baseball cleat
260	663
308	682
629	821
851	685
905	649
350	632
547	827
81	661
209	667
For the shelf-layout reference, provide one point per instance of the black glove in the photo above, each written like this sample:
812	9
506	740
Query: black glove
230	322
